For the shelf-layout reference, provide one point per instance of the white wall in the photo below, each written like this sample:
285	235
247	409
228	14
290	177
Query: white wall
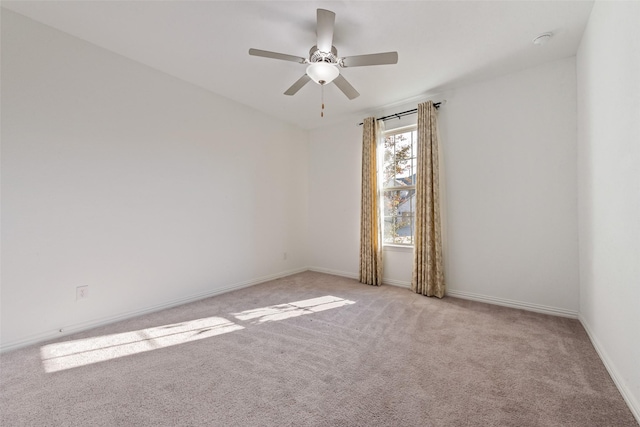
146	188
608	70
334	203
509	152
510	171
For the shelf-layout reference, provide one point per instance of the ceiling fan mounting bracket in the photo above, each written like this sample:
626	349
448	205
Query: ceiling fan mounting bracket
316	55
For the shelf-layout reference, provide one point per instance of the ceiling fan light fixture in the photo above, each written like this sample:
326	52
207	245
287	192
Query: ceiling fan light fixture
322	72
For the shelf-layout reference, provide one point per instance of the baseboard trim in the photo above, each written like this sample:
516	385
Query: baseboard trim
554	311
83	326
334	272
633	405
391	282
398	283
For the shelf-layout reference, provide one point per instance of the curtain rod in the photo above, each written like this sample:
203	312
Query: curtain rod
404	113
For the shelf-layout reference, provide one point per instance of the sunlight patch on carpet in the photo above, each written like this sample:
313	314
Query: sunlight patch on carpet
72	354
293	309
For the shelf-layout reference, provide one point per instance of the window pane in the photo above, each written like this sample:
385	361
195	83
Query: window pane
414	166
404	225
392	200
403	154
399	172
398	216
389	160
406	201
388	229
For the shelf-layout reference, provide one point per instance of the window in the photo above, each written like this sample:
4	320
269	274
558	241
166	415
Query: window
399	185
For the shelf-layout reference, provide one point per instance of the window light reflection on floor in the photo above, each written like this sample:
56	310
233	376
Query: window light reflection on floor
72	354
292	309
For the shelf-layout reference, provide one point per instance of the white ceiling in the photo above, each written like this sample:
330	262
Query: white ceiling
441	45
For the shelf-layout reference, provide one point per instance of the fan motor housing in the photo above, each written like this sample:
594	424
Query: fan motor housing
316	55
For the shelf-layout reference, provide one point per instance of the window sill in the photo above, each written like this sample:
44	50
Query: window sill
397	248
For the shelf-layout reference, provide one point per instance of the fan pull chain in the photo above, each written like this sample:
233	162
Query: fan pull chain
322	99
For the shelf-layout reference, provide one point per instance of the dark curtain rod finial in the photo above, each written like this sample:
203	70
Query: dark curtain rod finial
404	113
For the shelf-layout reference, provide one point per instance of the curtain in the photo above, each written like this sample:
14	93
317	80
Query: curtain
428	271
370	225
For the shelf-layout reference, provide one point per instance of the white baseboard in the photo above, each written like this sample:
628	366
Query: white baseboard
633	405
334	272
391	282
554	311
78	327
399	283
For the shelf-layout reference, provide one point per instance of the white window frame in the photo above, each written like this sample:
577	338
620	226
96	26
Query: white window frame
396	245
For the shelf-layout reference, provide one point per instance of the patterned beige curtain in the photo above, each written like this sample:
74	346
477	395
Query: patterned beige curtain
370	230
428	272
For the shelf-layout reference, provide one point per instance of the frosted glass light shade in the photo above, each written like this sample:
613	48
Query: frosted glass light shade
322	72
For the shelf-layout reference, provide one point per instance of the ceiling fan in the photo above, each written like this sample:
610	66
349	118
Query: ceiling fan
324	60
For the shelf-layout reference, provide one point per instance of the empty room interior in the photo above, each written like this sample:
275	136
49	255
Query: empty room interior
182	213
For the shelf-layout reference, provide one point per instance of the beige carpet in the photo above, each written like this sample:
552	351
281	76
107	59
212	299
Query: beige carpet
316	350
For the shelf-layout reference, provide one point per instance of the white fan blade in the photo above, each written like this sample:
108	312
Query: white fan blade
298	85
346	87
372	59
276	55
326	21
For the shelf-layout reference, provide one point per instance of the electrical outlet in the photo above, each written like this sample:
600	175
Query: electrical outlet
284	256
82	292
